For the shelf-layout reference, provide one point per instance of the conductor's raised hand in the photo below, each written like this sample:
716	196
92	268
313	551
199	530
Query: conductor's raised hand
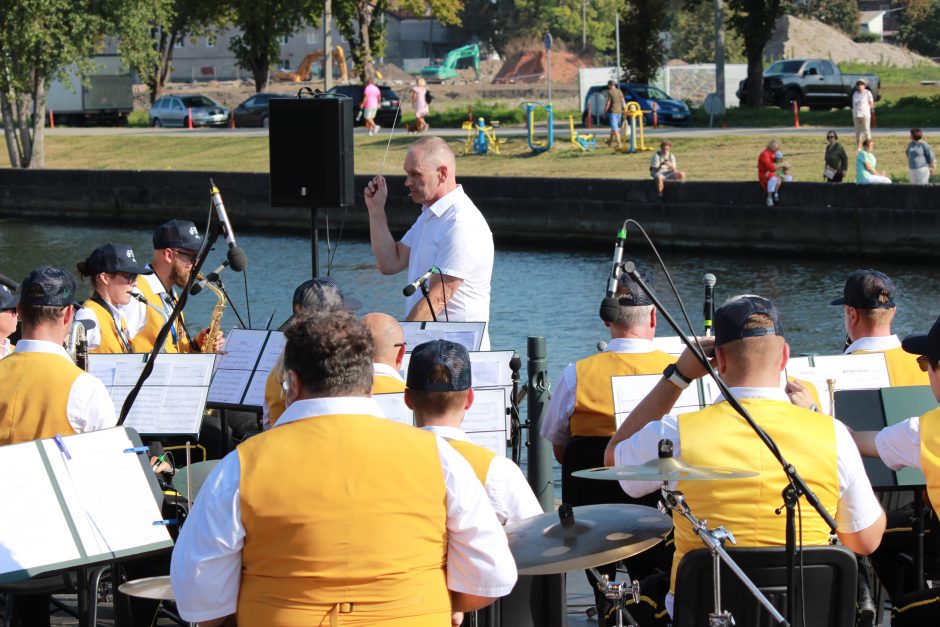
376	193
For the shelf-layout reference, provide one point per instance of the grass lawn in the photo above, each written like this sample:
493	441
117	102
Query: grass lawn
707	158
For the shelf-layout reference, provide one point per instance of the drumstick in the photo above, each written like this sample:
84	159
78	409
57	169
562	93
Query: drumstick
391	131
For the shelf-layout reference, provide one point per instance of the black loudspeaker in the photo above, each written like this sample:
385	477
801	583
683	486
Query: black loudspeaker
311	146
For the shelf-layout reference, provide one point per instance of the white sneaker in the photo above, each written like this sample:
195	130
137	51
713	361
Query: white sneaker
370	132
776	197
770	200
377	129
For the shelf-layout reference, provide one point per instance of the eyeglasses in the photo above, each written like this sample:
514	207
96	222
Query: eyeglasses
399	344
924	362
191	256
830	136
127	276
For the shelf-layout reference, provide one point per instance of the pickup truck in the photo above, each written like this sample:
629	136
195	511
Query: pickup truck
816	83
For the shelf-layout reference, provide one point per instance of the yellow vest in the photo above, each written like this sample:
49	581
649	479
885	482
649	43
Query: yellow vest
148	335
274	395
343	512
480	458
902	367
594	398
385	384
107	328
718	436
34	396
930	454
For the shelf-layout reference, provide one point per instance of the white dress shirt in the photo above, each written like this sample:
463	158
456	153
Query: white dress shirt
89	407
93	336
207	560
5	347
873	344
899	445
857	508
136	312
509	492
385	370
453	235
556	428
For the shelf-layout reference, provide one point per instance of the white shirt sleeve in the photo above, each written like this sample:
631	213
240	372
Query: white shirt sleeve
556	426
858	507
510	495
92	336
207	559
90	406
478	557
642	447
899	445
458	251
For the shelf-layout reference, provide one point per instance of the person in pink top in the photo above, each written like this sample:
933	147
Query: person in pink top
370	106
419	100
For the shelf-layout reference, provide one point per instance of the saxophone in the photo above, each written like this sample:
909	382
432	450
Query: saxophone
76	344
215	322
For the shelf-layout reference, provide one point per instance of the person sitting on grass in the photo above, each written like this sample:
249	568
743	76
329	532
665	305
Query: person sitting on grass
865	163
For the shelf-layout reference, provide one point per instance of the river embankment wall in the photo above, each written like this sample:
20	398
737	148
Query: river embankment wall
813	219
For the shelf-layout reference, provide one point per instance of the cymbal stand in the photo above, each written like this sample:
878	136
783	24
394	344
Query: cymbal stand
714	540
617	591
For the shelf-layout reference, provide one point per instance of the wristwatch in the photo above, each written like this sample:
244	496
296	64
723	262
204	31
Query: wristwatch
672	374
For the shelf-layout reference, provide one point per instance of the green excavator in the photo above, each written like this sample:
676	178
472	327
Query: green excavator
448	68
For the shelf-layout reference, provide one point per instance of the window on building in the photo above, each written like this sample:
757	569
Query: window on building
180	43
210	42
313	37
285	39
284	65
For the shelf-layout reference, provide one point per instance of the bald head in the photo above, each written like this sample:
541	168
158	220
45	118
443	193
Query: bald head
431	170
388	337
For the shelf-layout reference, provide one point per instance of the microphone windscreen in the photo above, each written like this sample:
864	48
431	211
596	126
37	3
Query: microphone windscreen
710	279
195	289
610	310
409	290
237	259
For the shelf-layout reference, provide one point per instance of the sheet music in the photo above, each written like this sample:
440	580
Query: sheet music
272	351
242	348
394	408
468	334
629	390
106	491
34	532
254	396
228	384
672	344
492	440
488	412
242	373
867	371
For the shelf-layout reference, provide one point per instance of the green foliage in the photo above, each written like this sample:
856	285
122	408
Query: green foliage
867	38
754	21
693	36
356	21
138	119
841	14
489	111
920	27
642	51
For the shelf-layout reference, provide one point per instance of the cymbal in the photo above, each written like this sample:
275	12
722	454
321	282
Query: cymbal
200	471
664	469
575	538
149	588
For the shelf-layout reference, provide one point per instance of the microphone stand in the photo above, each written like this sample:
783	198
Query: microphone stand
427	297
797	486
211	236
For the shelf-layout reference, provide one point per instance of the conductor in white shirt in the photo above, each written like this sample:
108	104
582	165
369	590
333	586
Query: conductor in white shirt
450	234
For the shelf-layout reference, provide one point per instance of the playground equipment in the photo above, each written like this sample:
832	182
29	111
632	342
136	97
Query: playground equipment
480	137
539	146
302	73
584	141
448	67
633	117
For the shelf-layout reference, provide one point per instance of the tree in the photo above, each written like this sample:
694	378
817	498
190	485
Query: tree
841	14
693	36
642	51
754	21
39	39
920	27
261	26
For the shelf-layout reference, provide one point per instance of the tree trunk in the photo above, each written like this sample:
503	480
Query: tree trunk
259	69
22	114
9	130
365	42
38	157
755	75
165	59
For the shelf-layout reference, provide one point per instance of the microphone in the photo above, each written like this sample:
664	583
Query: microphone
212	276
411	287
710	281
236	256
610	308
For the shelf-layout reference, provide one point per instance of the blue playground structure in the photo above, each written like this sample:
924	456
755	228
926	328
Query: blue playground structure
539	146
480	137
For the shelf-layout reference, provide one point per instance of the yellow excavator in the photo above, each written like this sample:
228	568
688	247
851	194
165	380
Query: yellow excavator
302	73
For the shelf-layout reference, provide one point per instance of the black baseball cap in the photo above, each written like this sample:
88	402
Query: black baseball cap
177	234
323	294
48	286
114	258
629	293
927	344
8	299
452	356
867	289
731	319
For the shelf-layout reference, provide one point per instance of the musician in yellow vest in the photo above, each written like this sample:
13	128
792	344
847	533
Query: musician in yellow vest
868	310
112	270
914	443
439	393
338	516
389	353
750	353
320	294
8	319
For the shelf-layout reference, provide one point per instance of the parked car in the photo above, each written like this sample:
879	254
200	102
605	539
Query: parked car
389	106
668	110
254	111
816	83
175	109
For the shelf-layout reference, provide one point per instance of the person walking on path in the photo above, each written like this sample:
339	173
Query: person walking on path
837	162
370	106
920	159
863	105
614	109
865	164
419	100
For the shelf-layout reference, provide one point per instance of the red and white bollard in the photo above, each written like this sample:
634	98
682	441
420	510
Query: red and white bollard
189	118
51	119
796	115
655	108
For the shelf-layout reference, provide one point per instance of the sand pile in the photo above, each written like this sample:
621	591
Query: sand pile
531	66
